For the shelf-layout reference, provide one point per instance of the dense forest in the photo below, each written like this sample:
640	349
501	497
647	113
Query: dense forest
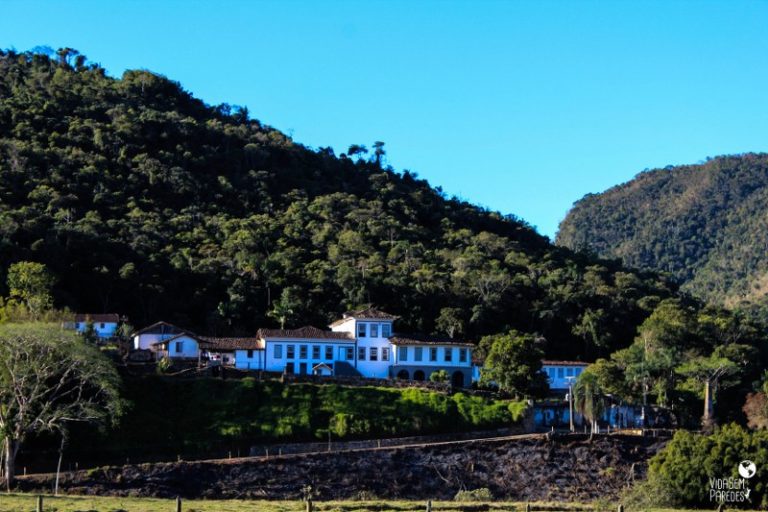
143	200
705	225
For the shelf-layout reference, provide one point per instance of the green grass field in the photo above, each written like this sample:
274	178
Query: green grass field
27	502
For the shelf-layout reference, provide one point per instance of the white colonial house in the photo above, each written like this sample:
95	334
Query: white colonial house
561	373
361	343
104	324
146	338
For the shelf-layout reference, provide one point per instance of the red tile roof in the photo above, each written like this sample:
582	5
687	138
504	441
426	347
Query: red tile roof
411	339
233	343
98	317
306	332
550	362
365	314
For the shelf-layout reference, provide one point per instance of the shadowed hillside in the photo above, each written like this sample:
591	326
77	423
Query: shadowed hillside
704	224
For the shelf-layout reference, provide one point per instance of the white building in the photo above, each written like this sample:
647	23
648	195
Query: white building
181	346
146	338
560	373
104	324
361	343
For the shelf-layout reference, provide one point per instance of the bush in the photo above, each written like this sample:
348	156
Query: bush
481	494
679	475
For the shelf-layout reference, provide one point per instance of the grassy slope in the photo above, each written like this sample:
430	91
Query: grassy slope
208	417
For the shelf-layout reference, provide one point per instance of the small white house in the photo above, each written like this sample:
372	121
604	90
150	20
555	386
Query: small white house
146	338
180	347
561	373
322	369
104	324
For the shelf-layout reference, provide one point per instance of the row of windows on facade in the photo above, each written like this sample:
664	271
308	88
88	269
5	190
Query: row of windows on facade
370	353
364	328
563	372
77	325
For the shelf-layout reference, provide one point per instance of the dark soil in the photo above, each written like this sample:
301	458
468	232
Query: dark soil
567	468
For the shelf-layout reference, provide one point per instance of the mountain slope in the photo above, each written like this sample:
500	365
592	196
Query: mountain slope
142	199
706	225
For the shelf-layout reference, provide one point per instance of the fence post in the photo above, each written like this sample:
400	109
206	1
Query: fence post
621	507
178	503
429	505
309	505
527	507
39	504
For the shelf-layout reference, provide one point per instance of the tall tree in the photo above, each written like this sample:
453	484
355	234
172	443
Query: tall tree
49	379
513	363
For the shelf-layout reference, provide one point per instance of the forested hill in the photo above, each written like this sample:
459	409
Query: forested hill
706	225
143	200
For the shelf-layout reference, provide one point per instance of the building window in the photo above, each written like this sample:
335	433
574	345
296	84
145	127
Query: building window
560	373
433	354
302	351
361	330
329	352
374	354
315	351
77	325
448	354
577	371
374	330
384	354
291	351
179	347
462	355
349	353
250	354
569	372
361	354
418	353
386	330
101	325
289	368
403	353
277	352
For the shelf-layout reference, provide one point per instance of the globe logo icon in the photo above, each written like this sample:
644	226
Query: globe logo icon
747	469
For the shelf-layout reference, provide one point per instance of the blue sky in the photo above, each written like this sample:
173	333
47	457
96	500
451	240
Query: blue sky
522	107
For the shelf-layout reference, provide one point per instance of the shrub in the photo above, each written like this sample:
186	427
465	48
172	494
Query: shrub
679	475
481	494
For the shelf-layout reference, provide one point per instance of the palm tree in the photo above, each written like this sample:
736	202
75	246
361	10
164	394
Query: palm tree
588	399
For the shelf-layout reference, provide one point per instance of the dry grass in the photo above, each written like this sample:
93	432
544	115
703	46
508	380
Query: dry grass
26	503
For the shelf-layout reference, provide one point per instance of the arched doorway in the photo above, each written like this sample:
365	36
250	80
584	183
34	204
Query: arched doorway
457	379
418	375
403	375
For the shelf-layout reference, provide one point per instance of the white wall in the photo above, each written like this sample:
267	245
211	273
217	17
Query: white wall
426	360
337	349
255	362
189	348
558	375
370	338
103	329
145	341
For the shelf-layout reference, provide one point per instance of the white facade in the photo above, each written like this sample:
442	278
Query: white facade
147	338
300	355
103	329
561	373
373	352
182	346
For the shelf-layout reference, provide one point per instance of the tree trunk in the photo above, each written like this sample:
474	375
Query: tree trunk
11	450
707	421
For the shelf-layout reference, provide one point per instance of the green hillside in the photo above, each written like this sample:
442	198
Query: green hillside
143	200
705	225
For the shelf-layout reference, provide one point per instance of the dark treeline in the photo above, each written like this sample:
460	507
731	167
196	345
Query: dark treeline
143	200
